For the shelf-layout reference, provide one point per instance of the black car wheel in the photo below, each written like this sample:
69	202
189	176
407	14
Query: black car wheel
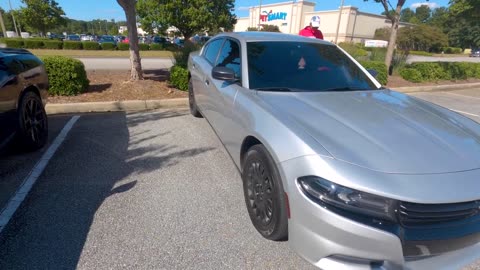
191	100
33	123
264	194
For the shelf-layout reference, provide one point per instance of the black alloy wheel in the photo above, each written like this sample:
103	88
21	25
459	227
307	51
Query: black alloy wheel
33	122
264	195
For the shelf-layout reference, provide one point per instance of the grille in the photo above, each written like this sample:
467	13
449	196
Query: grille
414	214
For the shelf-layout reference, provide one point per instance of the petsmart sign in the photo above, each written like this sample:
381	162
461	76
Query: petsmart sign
272	16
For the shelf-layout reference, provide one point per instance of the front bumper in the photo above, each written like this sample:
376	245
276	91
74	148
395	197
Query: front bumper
331	241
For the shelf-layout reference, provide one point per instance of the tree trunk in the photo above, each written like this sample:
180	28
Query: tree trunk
393	36
135	61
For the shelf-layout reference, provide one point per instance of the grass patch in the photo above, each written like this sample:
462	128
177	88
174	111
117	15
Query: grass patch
84	53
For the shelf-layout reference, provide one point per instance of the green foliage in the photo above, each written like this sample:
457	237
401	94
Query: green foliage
252	29
411	74
181	56
434	71
377	54
90	45
72	45
143	47
53	44
422	13
179	77
380	67
156	47
14	43
108	46
421	38
33	44
66	75
422	53
406	15
382	34
41	15
123	46
270	28
354	49
452	50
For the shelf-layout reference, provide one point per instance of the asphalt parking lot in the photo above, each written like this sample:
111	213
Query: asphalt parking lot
144	190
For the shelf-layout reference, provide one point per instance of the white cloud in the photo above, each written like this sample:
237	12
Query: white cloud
432	5
242	8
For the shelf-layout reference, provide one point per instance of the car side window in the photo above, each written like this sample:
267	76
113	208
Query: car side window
230	57
212	50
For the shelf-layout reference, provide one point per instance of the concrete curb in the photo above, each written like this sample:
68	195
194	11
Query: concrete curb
433	88
115	106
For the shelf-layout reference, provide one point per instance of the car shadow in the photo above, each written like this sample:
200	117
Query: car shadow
99	159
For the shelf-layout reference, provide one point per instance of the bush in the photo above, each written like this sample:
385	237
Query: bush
179	77
452	50
434	71
33	44
14	43
156	47
431	71
181	56
66	75
90	45
72	45
143	47
411	74
53	44
356	50
108	46
123	46
380	67
421	53
377	54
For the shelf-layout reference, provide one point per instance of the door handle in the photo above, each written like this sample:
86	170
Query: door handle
207	82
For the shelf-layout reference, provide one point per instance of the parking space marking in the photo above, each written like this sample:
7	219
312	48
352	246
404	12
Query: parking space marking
471	114
12	206
465	96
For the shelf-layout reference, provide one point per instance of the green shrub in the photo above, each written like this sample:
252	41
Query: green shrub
431	71
108	46
53	44
181	55
377	54
421	53
411	74
33	44
90	45
66	75
452	50
380	67
179	77
123	46
434	71
356	50
143	47
14	43
156	47
72	45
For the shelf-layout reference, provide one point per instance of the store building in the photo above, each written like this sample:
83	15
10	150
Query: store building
291	16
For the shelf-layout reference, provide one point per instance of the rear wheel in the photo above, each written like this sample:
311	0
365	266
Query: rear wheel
32	122
191	100
264	195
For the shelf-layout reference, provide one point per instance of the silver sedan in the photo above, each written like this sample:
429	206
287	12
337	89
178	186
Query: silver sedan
356	176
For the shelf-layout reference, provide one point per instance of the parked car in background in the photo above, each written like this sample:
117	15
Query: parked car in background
159	40
179	42
107	39
355	175
86	38
73	38
23	94
475	53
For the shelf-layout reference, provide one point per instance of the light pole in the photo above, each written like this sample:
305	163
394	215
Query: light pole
259	14
13	17
339	18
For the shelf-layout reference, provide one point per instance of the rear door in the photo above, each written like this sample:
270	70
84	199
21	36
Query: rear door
9	92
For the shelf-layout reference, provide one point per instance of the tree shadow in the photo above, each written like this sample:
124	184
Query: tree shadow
50	228
159	75
98	88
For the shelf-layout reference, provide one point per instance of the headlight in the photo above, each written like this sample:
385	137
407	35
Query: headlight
330	194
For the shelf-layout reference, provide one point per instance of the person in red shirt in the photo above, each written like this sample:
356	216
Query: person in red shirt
311	30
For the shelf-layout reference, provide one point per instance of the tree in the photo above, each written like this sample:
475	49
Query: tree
439	18
189	17
422	13
382	33
395	19
406	15
421	38
41	15
131	15
270	28
464	16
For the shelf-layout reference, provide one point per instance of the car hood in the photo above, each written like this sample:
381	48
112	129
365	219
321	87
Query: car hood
385	131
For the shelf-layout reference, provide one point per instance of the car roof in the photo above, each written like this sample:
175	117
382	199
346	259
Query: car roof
270	36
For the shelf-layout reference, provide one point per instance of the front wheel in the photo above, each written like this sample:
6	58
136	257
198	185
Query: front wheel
191	100
32	122
264	195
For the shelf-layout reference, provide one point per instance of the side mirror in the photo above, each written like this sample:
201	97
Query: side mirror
223	73
373	72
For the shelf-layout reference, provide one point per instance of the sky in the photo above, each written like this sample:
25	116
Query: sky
109	9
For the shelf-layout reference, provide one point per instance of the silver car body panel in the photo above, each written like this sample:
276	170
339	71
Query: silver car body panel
380	141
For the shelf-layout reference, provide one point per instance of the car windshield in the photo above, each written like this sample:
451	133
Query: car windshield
303	66
107	38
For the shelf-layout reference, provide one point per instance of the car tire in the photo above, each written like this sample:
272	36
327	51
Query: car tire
32	132
191	100
264	194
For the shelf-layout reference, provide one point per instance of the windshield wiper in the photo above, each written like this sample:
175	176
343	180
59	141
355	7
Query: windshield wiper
347	88
277	89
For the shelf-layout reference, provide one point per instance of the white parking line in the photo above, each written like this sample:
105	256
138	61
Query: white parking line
471	114
12	206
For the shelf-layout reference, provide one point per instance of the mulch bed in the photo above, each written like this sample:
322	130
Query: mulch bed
115	86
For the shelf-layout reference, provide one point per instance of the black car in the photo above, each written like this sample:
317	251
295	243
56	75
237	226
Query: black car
107	39
23	94
475	53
